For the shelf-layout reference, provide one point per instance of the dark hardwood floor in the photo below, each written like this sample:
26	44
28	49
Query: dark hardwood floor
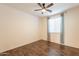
42	48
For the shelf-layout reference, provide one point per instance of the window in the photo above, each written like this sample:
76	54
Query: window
54	24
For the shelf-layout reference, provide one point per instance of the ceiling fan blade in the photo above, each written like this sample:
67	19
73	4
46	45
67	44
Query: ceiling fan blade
40	5
49	5
37	9
43	5
49	10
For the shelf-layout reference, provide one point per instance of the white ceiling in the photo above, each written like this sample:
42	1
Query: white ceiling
30	7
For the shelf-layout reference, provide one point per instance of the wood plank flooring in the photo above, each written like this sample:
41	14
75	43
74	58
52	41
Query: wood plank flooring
42	48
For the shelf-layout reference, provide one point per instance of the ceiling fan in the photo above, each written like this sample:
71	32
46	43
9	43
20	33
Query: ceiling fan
44	8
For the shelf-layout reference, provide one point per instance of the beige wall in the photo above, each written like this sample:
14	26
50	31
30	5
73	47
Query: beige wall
71	32
43	28
17	28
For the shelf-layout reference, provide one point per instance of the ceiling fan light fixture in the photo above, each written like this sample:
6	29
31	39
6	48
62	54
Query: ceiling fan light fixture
43	10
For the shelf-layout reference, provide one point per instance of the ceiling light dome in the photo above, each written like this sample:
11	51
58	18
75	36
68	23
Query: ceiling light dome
43	10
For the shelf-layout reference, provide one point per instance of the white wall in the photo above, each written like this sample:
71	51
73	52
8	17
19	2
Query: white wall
43	28
17	28
71	31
